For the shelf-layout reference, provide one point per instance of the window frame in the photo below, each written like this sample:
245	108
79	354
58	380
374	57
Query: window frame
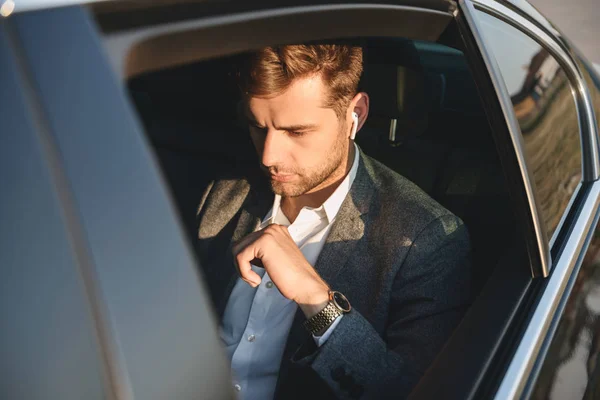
587	125
512	280
149	308
142	49
577	225
513	283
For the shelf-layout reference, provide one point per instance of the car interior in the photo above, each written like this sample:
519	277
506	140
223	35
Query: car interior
426	122
434	118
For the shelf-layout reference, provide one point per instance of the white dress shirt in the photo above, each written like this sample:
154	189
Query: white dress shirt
257	321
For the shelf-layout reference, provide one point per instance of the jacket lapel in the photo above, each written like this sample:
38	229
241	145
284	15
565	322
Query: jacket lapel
347	230
253	210
348	227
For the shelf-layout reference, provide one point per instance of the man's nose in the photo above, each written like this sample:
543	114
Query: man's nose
272	148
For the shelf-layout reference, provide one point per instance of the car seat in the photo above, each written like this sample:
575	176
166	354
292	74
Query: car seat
426	123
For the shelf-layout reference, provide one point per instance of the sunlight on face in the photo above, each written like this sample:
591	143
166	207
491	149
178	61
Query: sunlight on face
300	143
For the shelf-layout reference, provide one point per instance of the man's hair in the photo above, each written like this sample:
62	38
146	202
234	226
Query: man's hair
271	70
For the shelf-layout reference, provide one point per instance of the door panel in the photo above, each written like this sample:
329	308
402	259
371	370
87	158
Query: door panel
48	346
158	327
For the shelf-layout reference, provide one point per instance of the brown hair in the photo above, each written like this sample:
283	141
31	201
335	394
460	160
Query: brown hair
271	70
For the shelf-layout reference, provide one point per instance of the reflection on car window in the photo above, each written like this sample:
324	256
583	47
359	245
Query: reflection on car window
547	114
576	343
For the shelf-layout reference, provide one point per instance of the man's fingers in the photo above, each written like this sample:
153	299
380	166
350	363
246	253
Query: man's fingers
243	259
257	262
245	241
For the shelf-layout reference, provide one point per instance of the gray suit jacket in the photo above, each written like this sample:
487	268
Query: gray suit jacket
400	258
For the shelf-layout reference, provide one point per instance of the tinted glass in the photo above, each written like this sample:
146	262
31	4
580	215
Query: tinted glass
547	114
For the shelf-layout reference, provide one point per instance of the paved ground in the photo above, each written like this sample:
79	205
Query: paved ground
579	20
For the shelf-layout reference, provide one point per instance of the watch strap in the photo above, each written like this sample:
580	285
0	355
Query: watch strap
323	318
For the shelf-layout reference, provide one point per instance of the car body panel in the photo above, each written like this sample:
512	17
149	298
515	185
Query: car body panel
48	340
153	322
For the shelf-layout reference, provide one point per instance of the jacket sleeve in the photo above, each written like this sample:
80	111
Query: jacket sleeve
430	293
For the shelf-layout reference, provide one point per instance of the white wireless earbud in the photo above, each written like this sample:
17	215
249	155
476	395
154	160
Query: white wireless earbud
354	125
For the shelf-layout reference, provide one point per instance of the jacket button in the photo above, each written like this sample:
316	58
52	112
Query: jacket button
338	373
356	391
347	382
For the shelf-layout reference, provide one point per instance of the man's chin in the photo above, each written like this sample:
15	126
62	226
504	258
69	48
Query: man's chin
285	189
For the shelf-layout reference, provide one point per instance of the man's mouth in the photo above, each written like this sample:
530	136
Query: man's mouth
282	177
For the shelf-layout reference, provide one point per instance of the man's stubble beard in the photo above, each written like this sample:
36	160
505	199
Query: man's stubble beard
313	179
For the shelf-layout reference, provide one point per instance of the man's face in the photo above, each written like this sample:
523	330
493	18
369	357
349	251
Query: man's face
301	143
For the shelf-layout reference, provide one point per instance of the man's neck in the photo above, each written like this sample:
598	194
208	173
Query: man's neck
291	206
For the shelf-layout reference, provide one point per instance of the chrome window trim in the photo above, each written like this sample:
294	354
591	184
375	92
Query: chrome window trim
564	216
556	47
533	16
468	9
538	332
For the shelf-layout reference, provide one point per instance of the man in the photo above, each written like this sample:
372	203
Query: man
342	279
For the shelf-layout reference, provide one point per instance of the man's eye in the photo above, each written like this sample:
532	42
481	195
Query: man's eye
296	133
258	128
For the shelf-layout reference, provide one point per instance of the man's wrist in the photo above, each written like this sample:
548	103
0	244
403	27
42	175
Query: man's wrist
315	302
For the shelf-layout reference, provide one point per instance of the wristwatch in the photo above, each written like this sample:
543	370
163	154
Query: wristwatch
338	305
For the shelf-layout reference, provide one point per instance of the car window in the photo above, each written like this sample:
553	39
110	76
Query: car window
546	111
426	122
574	346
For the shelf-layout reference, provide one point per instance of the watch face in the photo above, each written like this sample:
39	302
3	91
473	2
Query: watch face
341	301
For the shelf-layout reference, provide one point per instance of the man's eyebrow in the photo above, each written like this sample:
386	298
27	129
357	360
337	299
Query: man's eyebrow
296	128
291	128
252	121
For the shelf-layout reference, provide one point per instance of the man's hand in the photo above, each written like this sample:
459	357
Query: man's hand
295	278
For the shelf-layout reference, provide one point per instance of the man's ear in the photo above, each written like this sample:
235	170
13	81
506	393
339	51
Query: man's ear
360	106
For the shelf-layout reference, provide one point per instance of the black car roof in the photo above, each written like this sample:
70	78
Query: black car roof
124	14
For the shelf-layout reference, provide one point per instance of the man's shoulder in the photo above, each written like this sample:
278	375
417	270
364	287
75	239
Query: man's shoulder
221	200
400	201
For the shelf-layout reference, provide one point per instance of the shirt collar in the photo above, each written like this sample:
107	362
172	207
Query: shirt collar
332	205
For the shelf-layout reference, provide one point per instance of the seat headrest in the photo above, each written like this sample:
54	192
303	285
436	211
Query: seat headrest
398	93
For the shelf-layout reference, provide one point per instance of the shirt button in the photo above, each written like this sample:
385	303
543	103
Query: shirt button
269	285
237	388
251	338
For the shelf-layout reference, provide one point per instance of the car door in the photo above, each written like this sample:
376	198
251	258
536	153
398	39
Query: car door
130	232
532	65
570	367
100	297
142	41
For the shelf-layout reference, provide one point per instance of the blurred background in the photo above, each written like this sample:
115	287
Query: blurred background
579	20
